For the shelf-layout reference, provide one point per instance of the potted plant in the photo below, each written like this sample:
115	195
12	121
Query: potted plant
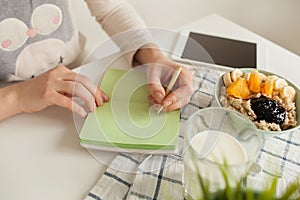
240	192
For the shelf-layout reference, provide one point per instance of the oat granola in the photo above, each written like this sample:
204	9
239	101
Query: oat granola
269	90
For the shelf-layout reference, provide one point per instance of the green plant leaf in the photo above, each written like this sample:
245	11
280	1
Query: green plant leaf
291	189
249	194
237	191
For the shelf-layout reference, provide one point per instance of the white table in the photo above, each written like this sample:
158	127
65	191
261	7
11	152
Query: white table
40	155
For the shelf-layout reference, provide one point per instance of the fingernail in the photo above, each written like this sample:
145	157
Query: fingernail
156	106
93	107
158	97
83	114
167	103
105	98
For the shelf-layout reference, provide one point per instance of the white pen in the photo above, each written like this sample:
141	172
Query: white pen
171	84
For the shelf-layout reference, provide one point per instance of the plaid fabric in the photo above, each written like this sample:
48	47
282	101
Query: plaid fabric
134	176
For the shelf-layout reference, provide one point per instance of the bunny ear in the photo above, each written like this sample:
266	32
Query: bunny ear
12	34
46	18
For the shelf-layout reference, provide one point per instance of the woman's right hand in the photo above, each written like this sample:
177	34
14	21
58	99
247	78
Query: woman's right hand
57	87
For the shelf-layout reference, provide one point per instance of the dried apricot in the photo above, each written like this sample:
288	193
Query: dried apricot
239	89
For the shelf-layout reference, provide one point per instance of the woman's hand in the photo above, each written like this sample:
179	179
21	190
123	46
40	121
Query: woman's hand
159	77
57	87
160	70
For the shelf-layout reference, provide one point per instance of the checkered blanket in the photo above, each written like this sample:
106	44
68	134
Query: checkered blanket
138	176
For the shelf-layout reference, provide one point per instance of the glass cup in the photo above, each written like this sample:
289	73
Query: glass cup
220	147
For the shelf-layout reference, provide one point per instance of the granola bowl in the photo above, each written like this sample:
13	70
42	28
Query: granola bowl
270	101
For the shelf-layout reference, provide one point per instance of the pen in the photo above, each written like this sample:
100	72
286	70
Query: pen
171	84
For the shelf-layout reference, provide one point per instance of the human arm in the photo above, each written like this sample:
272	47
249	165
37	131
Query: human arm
128	30
54	87
123	25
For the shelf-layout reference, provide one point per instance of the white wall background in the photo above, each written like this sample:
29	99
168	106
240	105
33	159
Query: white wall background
276	20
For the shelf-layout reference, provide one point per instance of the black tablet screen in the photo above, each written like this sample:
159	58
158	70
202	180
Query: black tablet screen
220	51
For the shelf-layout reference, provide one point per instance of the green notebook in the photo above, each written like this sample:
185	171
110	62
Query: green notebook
128	121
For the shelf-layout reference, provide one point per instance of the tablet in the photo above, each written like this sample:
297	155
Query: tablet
221	52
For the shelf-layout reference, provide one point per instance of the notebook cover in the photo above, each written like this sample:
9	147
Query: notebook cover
128	120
